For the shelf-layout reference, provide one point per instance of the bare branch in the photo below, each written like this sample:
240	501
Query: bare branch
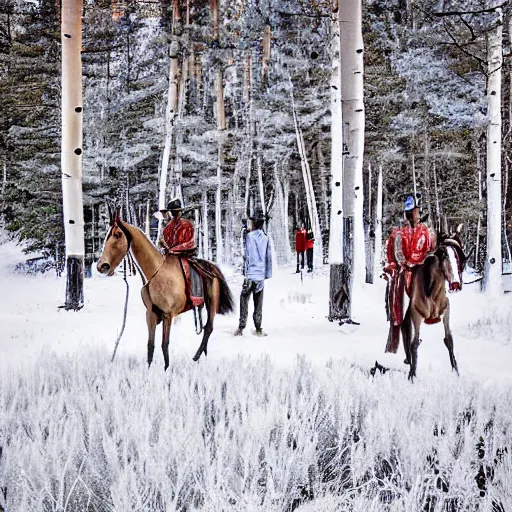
469	27
460	13
461	48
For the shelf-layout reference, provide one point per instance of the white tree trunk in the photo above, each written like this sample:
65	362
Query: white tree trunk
480	196
354	119
318	253
148	219
377	268
170	118
369	191
260	184
219	258
493	262
197	231
414	187
336	220
436	192
286	194
310	193
71	157
278	223
206	228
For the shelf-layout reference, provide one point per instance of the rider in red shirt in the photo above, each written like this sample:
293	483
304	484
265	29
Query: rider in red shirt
406	248
178	235
178	240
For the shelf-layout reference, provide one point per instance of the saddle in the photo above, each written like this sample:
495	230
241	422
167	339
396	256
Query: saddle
194	288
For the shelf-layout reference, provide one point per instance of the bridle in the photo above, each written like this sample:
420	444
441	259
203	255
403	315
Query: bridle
451	249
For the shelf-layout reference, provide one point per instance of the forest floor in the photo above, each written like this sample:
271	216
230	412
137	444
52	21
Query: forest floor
291	421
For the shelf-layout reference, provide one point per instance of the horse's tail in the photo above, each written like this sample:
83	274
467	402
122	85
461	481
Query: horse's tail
226	302
209	270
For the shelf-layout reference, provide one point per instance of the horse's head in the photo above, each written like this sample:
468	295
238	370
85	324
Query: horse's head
452	258
115	247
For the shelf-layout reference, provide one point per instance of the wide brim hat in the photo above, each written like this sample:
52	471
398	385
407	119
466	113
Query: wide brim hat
174	204
259	216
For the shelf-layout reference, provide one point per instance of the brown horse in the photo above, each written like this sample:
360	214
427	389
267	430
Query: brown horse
164	293
429	300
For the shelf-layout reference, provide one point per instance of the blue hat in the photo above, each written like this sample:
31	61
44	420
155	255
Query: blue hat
410	203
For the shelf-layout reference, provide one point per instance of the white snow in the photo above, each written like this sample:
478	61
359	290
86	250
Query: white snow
294	317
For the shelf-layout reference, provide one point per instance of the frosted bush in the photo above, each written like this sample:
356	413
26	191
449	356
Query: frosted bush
80	434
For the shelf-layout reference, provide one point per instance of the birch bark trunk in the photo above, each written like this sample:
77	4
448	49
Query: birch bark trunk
351	58
308	185
170	118
493	262
148	219
206	228
339	299
377	268
71	156
480	195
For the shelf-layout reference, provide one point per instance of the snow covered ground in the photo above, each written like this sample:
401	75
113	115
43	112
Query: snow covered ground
277	423
294	317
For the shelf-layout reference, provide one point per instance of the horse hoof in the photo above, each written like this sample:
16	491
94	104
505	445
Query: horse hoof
411	377
196	358
406	361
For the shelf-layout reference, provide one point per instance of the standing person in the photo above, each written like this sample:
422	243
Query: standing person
310	242
258	267
300	246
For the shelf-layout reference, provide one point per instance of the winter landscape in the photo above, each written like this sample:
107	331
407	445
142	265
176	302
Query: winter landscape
345	166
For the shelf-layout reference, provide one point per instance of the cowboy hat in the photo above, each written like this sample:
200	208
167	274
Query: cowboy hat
174	204
259	216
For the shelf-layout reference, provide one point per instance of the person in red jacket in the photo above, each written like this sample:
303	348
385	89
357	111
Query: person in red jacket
178	240
300	246
406	248
310	242
178	234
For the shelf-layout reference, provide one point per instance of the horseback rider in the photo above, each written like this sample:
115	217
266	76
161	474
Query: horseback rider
406	248
410	245
178	239
178	234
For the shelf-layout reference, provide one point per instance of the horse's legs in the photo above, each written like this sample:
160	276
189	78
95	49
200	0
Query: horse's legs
406	328
448	338
166	331
212	303
151	320
416	321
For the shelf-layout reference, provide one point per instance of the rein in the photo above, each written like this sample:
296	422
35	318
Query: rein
125	311
129	237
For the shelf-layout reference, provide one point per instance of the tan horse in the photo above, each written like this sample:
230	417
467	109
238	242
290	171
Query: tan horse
429	299
164	292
